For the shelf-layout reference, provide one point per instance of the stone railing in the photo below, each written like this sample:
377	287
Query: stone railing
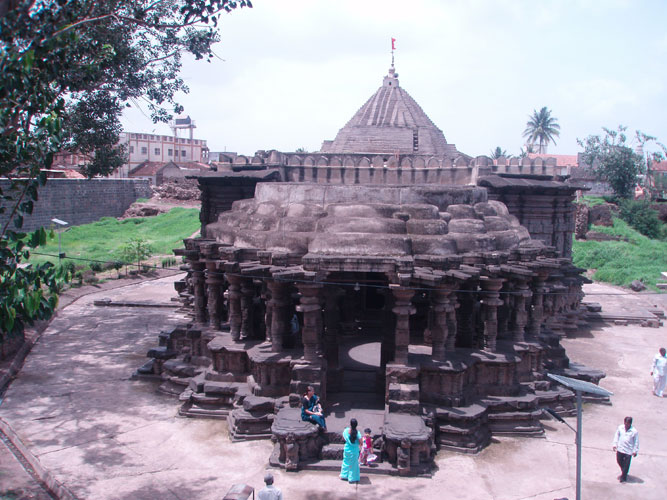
330	168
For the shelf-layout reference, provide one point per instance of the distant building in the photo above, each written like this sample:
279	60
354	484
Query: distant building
222	156
656	179
158	172
160	148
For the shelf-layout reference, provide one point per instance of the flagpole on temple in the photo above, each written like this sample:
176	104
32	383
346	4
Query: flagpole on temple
393	47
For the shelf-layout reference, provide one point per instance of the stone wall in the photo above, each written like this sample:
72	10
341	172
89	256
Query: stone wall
585	177
80	201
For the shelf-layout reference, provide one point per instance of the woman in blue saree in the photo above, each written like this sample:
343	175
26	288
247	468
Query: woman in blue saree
349	471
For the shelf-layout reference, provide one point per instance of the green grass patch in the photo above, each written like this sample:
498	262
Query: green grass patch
621	262
104	240
592	201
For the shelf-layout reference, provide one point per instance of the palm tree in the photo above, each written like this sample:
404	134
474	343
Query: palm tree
541	128
498	152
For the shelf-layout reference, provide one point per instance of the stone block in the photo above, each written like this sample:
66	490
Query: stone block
407	407
220	388
258	404
161	352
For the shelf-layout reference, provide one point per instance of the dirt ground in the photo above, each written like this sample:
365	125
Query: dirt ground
100	435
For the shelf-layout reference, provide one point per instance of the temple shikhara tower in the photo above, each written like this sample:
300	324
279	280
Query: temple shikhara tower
396	275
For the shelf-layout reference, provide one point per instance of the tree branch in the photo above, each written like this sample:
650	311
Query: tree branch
84	21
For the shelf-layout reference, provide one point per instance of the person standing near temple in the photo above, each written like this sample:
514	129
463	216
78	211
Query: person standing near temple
349	470
658	370
269	492
626	446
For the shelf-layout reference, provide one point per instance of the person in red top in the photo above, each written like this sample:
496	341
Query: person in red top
366	456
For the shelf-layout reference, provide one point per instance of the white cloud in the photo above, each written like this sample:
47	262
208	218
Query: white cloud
296	70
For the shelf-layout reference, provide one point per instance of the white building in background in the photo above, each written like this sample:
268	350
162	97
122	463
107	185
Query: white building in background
163	148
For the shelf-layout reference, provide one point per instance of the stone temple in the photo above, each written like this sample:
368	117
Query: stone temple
389	271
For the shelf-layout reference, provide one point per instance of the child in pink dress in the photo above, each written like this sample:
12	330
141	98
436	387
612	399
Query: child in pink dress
366	455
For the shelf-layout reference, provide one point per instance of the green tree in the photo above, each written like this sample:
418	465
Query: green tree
542	129
136	250
498	152
68	68
613	160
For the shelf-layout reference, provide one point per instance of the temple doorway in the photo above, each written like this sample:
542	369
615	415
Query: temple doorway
357	366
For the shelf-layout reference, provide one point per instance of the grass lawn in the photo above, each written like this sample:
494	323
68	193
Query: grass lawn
621	262
103	240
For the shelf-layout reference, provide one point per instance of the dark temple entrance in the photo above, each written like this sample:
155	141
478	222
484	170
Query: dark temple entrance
355	360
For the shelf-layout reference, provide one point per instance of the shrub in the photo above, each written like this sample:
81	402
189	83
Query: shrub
169	262
96	267
642	217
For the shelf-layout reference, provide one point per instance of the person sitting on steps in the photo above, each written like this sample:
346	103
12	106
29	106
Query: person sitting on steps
311	409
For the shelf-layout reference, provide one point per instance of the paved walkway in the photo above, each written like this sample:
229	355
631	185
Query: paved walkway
103	436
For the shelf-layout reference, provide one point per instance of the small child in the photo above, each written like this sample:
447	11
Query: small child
366	455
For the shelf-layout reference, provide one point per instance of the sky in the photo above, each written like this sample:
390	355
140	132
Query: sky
291	73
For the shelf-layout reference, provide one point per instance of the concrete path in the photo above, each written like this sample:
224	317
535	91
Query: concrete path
103	436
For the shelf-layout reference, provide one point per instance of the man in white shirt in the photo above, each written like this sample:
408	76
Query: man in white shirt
626	446
658	371
269	492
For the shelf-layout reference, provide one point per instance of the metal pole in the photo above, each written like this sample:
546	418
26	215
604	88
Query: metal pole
60	253
579	429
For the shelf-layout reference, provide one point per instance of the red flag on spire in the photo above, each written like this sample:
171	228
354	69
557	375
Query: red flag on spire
393	44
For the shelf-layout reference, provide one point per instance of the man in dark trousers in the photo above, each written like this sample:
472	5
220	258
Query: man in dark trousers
626	446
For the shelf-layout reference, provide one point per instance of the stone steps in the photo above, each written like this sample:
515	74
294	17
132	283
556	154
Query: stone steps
462	429
333	451
252	420
334	465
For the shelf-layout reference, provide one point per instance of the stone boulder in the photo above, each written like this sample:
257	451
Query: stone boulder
601	215
143	210
637	286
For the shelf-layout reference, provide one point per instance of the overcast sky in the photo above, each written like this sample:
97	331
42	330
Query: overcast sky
293	72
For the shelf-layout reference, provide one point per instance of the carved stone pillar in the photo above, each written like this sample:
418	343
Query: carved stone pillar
505	311
215	280
247	296
268	311
310	306
332	295
234	299
451	323
199	285
521	295
440	329
536	313
490	303
403	308
280	321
